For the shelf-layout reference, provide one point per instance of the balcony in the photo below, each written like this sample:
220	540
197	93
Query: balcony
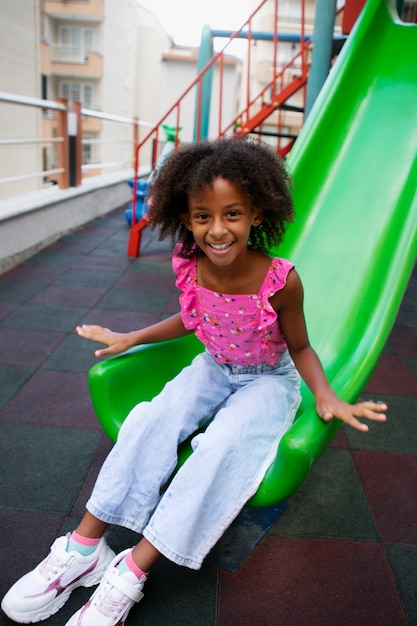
85	10
71	61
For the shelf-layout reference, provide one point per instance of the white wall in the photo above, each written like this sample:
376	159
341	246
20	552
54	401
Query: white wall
19	74
133	43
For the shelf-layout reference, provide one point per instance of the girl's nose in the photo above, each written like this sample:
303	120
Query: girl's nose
217	227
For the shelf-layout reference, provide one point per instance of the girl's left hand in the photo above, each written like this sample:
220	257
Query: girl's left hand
332	406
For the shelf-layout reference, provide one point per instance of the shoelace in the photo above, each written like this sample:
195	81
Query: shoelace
51	566
108	604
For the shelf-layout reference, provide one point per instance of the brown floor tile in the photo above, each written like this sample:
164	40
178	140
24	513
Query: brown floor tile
53	398
62	295
311	582
403	340
27	348
391	376
390	485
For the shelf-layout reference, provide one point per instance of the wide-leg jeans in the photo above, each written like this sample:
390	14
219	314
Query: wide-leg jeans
246	410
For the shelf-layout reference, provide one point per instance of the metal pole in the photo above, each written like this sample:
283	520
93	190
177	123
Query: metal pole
322	49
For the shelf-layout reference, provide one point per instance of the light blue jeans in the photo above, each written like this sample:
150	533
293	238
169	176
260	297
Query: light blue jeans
247	409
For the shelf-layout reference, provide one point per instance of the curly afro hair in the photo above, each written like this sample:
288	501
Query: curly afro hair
251	165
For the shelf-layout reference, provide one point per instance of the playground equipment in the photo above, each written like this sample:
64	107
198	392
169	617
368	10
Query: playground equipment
142	184
354	241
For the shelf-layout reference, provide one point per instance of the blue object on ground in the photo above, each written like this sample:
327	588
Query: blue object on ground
244	534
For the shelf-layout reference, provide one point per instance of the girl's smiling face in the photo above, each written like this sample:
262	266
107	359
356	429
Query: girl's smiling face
221	218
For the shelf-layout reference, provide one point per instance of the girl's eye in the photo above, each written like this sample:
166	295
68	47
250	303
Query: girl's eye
233	213
201	217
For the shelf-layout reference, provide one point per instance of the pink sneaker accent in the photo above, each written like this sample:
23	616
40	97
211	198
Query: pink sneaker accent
114	597
43	591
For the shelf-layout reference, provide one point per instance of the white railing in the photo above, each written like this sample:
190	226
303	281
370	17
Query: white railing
68	140
69	54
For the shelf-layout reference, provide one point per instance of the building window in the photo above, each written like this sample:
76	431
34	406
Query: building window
87	148
75	39
77	92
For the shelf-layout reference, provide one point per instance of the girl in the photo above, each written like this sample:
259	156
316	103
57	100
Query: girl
225	204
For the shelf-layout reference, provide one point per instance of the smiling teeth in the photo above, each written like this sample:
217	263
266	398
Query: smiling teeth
220	246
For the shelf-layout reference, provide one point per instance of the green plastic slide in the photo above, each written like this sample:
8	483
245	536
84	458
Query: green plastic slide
354	242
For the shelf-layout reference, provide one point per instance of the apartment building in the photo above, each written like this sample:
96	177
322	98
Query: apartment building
113	56
97	52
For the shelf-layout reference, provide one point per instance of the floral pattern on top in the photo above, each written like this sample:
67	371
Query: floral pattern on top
237	329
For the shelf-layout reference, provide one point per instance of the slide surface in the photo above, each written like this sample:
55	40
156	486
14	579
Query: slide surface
355	191
354	241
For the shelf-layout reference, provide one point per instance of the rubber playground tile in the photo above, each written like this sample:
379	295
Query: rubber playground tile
389	482
81	242
177	595
55	399
45	275
43	468
301	581
122	321
27	348
6	308
11	380
103	263
44	317
75	354
146	282
62	295
411	363
25	539
87	278
340	440
404	340
402	560
103	450
173	305
55	259
397	435
152	265
243	535
407	315
330	503
391	376
145	301
18	290
111	247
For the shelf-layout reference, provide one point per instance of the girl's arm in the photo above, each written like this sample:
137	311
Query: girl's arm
171	328
328	404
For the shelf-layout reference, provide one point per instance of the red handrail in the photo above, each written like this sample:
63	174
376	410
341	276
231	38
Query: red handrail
254	112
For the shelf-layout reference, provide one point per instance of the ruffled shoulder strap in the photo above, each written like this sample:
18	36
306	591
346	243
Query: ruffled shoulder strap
276	277
184	269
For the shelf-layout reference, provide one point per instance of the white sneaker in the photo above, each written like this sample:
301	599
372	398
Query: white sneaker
112	600
43	591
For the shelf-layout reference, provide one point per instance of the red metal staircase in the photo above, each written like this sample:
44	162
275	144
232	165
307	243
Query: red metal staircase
285	80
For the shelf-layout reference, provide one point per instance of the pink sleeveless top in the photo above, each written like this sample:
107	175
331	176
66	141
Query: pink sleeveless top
237	329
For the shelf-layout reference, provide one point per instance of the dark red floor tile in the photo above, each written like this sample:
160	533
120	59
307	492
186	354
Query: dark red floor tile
78	509
103	263
25	540
35	273
390	485
121	321
53	398
314	582
146	282
6	308
340	440
403	340
62	295
27	348
391	376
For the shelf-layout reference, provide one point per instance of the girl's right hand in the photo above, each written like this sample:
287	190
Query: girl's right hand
116	342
